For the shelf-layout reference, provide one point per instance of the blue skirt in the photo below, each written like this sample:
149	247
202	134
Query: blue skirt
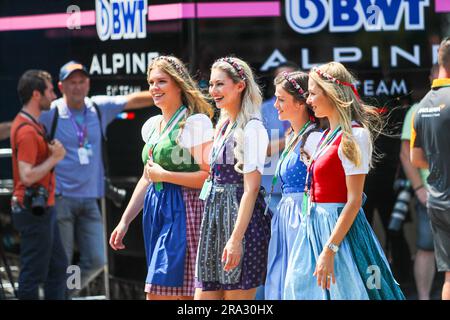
164	226
361	269
285	227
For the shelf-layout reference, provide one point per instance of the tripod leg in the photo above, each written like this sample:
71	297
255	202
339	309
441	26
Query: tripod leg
2	290
8	270
105	239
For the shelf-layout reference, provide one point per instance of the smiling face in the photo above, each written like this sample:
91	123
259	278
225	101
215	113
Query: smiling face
320	103
223	90
288	108
163	88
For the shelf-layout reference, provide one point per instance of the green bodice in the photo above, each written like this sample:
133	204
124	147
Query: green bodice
168	154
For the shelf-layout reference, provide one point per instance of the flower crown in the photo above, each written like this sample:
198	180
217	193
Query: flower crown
235	65
294	83
174	65
329	77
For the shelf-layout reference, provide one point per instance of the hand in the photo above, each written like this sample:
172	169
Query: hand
325	269
422	195
232	254
154	172
57	150
115	241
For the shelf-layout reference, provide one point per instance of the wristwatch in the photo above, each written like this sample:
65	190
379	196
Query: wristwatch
333	247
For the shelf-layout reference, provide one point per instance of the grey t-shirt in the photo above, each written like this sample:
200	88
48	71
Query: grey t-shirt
431	133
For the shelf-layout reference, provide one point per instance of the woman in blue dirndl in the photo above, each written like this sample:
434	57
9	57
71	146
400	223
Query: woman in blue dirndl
301	142
175	169
336	254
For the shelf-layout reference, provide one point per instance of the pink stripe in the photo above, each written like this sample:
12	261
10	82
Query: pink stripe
171	11
442	6
239	9
44	21
155	13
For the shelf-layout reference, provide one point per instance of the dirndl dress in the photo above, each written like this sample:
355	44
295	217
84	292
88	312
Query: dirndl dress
221	210
171	225
360	265
285	223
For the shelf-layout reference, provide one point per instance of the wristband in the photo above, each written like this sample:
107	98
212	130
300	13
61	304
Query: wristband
419	187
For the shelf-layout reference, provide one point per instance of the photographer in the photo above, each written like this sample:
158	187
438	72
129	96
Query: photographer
42	256
80	124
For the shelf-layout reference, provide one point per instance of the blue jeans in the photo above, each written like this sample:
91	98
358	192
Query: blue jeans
80	220
42	258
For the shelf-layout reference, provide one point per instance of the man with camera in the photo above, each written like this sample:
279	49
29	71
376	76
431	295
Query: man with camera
80	124
430	148
42	256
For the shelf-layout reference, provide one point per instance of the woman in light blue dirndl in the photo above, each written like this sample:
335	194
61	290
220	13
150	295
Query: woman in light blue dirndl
336	254
301	142
175	168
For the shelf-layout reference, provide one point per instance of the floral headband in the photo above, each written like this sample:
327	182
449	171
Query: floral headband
333	79
235	65
294	83
174	64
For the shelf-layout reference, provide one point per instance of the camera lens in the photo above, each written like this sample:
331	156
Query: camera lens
400	210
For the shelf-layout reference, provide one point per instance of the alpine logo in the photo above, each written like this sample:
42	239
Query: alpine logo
311	16
121	19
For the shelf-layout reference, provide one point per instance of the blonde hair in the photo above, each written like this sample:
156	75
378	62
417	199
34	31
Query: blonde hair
349	106
251	99
191	96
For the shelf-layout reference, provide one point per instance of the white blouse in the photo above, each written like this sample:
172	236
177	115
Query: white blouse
197	130
256	141
362	138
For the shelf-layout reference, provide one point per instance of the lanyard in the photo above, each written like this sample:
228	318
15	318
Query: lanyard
286	151
324	142
81	130
167	129
219	144
29	116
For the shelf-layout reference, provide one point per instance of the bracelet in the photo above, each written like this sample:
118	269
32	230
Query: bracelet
419	187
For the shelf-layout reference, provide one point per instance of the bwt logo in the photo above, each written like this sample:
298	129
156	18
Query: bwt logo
311	16
121	19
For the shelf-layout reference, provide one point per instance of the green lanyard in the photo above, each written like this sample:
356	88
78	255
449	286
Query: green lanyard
323	143
286	151
169	127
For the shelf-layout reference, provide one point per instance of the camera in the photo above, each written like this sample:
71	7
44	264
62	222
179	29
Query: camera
401	206
116	195
35	200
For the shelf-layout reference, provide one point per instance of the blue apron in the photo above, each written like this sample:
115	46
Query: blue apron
164	226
